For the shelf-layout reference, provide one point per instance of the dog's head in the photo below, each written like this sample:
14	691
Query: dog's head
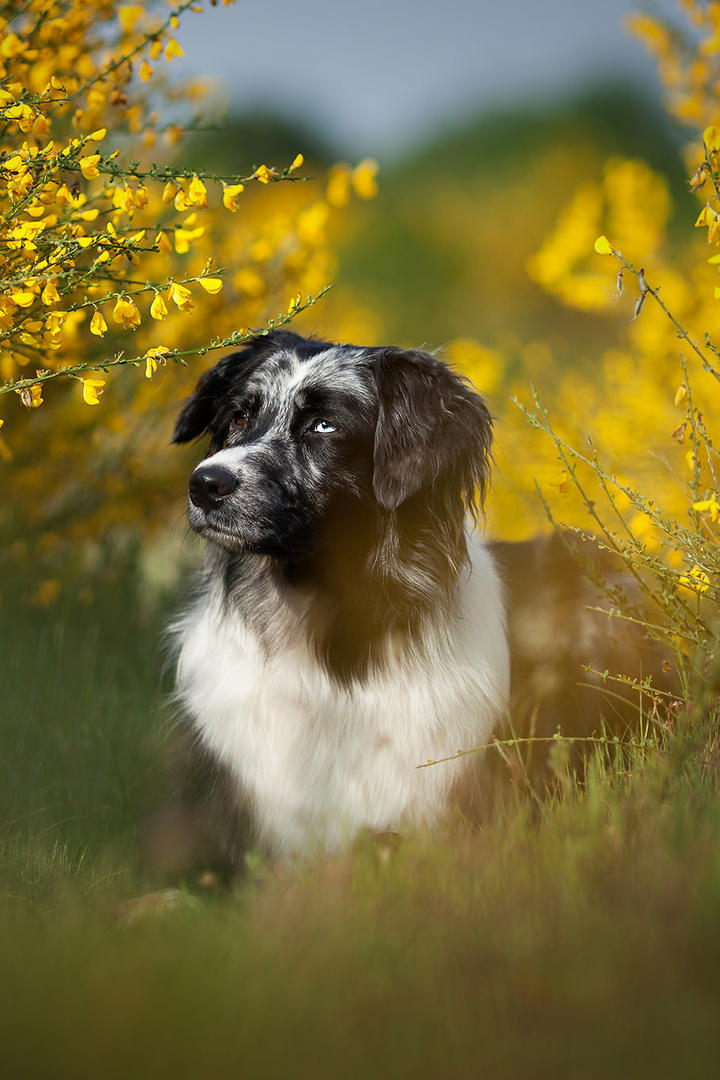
304	433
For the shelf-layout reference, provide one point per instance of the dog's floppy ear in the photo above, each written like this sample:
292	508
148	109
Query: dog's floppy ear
432	425
196	416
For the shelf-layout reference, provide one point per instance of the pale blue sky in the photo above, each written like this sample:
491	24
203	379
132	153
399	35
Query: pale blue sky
375	76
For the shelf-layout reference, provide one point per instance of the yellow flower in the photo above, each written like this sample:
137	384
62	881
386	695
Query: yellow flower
172	49
363	179
263	174
31	396
705	505
298	160
22	297
211	285
184	237
124	198
602	246
126	314
11	46
697	581
181	296
711	138
710	217
128	16
311	224
338	188
680	394
54	321
196	195
88	166
158	309
146	71
97	136
92	389
153	357
162	242
98	326
169	191
197	192
230	196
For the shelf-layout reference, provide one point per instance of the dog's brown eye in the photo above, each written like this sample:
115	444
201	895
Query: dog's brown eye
240	420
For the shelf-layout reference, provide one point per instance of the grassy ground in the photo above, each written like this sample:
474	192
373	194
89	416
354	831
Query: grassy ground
582	941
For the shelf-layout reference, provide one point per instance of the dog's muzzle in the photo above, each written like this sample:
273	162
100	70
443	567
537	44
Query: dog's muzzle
209	485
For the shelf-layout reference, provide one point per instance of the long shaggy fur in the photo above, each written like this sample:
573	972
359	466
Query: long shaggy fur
346	626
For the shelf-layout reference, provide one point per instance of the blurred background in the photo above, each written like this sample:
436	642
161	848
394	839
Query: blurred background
393	78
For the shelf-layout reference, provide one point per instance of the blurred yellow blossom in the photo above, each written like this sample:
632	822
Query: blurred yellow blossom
154	356
230	196
211	285
364	179
181	296
31	396
710	506
126	313
158	309
92	389
697	580
98	326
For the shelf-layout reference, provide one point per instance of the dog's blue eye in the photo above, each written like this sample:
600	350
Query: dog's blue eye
323	427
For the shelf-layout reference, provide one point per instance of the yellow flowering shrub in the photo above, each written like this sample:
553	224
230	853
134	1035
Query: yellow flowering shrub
630	455
117	257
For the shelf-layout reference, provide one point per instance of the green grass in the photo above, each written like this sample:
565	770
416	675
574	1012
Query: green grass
582	940
81	718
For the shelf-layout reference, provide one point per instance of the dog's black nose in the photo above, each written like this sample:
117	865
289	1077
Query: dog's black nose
209	485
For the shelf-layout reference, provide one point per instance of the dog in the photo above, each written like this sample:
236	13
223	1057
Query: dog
348	623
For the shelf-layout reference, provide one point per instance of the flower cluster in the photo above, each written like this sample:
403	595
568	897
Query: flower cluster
90	238
109	259
647	482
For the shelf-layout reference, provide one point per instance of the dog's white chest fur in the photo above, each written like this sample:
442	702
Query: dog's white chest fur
317	760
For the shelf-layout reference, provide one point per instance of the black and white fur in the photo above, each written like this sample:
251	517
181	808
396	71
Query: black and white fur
348	625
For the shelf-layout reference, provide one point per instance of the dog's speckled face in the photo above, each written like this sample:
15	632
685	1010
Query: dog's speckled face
296	435
306	435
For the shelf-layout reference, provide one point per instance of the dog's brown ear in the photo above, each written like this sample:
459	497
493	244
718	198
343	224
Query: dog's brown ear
432	426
